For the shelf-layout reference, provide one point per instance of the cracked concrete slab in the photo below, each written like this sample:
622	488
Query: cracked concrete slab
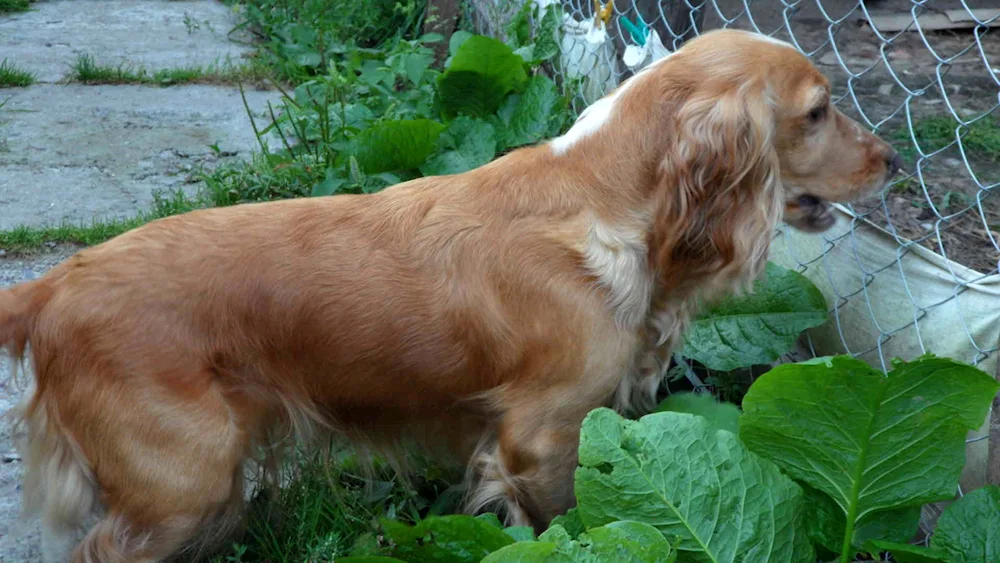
76	152
73	153
154	33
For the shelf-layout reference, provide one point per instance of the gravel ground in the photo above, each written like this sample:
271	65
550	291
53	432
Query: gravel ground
18	538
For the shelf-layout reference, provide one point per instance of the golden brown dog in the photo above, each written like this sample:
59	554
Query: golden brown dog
485	313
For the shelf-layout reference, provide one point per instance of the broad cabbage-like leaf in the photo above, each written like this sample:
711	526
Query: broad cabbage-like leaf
906	553
871	442
756	328
467	143
712	499
480	75
719	415
969	529
570	522
529	116
396	145
445	539
825	522
618	542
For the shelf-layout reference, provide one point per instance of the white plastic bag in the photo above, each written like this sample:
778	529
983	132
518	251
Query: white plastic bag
637	57
588	54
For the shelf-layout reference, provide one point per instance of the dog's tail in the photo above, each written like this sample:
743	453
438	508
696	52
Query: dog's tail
19	306
58	483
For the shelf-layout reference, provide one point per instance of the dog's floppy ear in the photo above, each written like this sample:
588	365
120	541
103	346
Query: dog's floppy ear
718	188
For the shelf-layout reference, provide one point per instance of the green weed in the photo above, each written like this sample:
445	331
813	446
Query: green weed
10	6
88	71
11	76
27	240
980	139
301	37
329	505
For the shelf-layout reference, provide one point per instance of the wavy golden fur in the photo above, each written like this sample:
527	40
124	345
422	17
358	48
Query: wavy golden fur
483	313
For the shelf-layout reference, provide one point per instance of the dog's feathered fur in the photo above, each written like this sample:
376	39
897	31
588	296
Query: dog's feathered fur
483	313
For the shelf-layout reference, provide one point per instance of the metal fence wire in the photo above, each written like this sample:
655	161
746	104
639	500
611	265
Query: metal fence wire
913	270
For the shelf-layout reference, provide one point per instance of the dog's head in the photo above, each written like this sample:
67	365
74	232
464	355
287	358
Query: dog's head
752	137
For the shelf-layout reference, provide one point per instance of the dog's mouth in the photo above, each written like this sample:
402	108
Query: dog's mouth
809	213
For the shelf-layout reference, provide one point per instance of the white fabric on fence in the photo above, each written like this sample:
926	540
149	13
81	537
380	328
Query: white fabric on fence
876	290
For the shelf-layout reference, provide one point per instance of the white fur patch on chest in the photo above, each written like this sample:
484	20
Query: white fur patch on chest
618	257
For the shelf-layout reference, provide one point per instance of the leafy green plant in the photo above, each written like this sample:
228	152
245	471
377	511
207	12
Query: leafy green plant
480	75
8	6
735	339
967	529
980	139
302	37
759	327
879	446
13	76
825	445
378	119
88	70
664	468
617	542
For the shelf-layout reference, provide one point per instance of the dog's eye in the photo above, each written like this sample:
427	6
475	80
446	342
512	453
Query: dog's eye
817	114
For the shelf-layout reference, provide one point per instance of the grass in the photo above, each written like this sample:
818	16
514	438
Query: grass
28	240
299	38
10	6
331	506
87	70
11	76
980	139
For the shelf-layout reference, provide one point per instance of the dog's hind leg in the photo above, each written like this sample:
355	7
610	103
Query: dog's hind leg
162	471
58	482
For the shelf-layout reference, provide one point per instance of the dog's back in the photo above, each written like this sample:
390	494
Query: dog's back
188	339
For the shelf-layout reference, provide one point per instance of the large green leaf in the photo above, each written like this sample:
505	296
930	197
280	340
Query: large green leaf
445	539
467	143
719	415
906	553
759	327
618	542
529	120
869	441
826	523
712	499
481	73
548	34
396	145
570	522
969	529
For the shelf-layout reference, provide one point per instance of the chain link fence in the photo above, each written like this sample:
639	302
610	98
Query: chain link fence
914	270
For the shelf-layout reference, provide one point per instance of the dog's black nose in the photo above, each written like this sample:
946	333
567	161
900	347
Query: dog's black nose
807	200
894	162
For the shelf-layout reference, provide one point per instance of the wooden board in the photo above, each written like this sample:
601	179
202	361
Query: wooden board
933	20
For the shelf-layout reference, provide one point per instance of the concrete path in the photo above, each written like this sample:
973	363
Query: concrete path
71	152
